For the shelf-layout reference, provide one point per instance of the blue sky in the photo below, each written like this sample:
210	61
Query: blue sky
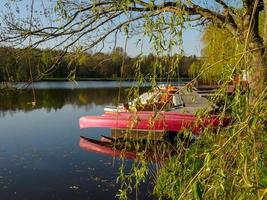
191	43
191	37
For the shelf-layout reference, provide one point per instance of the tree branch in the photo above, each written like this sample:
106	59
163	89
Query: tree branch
91	17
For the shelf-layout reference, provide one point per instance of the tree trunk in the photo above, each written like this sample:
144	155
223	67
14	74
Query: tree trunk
257	70
258	73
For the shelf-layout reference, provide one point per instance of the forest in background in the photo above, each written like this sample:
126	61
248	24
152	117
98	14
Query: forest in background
18	64
34	64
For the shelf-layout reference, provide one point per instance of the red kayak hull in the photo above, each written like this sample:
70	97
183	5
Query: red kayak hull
163	121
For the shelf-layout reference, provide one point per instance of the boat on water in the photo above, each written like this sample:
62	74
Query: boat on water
181	99
148	120
163	97
179	118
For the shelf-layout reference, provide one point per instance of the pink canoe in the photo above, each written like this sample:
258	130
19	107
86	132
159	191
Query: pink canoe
163	121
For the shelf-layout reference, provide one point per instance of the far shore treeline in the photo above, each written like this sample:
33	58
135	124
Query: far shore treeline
18	64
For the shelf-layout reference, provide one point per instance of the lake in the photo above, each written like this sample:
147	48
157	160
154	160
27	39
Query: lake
40	157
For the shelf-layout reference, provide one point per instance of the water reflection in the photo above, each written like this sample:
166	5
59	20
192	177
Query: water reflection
40	157
54	99
73	85
143	149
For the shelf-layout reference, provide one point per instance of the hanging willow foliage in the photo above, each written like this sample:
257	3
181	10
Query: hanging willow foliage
229	163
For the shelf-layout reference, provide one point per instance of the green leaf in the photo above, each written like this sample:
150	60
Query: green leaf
197	190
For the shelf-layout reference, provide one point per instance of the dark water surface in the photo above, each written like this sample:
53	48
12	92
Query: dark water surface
40	157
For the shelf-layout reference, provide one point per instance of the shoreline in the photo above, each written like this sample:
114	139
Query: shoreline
110	79
97	79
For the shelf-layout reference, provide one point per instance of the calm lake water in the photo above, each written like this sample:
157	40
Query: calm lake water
40	157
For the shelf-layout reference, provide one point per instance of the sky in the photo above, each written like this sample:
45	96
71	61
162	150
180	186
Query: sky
191	37
191	44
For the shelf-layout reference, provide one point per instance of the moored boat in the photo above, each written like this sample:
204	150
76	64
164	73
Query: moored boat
163	97
163	121
179	118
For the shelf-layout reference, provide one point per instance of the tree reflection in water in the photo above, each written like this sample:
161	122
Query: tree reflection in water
53	99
